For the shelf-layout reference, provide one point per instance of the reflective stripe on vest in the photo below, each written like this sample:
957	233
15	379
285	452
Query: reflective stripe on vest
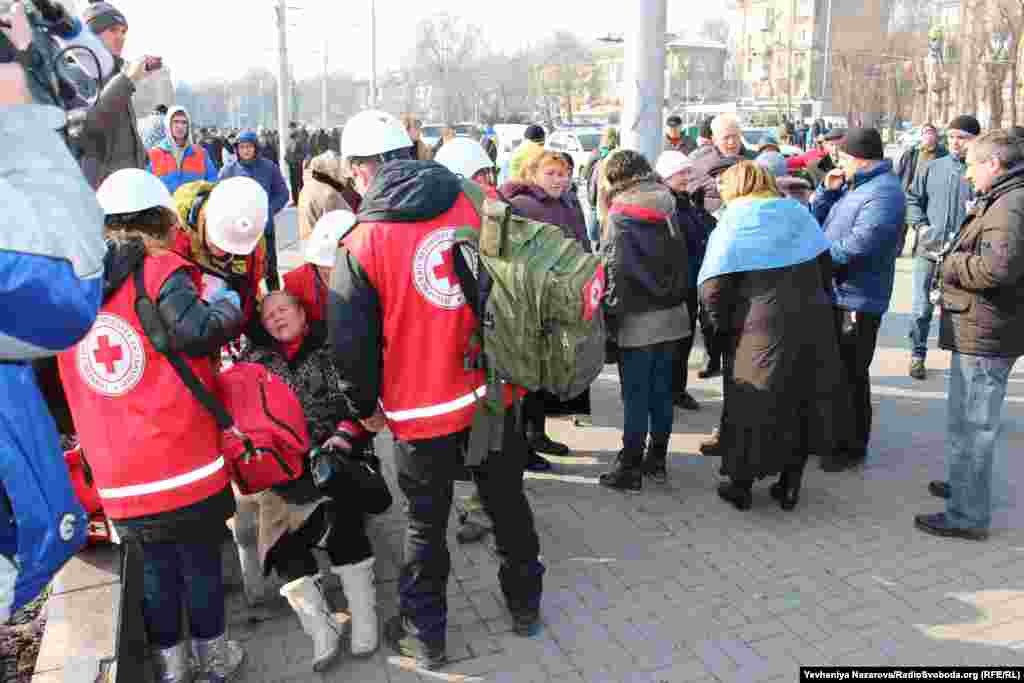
166	484
439	409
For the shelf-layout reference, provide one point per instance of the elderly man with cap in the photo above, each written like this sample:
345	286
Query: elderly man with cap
674	137
862	207
937	203
726	142
109	140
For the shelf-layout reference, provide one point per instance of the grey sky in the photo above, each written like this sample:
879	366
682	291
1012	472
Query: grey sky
220	39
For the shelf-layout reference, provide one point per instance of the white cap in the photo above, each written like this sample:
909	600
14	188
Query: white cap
130	190
322	245
236	215
464	157
671	162
373	132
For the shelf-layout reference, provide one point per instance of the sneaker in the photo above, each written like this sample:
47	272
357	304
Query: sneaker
543	444
405	645
940	489
537	462
937	525
917	369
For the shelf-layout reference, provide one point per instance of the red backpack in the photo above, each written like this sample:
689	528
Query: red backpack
269	415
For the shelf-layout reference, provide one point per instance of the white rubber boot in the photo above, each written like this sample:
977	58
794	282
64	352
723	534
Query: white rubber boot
172	665
357	581
306	597
220	659
245	526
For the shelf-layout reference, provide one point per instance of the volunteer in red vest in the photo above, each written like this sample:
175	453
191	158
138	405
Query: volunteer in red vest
399	327
308	283
152	447
467	158
217	245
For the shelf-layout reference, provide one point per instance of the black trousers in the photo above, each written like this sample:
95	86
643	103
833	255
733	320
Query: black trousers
346	541
426	472
271	274
295	177
681	369
857	341
535	413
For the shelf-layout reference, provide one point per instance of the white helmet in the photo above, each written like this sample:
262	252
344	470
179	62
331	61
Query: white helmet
464	157
322	245
236	215
130	190
373	132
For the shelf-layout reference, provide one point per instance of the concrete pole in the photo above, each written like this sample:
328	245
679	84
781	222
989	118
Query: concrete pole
373	54
645	79
323	92
283	88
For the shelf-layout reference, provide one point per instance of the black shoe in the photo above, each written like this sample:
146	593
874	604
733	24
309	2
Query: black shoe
741	497
709	447
653	465
405	645
625	477
685	401
937	525
711	369
537	462
917	369
786	494
542	444
527	623
940	489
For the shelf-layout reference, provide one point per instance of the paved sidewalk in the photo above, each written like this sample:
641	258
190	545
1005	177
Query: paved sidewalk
673	585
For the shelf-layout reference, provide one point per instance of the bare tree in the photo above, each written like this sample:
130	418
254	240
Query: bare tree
566	71
447	50
717	30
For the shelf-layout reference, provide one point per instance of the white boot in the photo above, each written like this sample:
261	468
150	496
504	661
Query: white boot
306	597
171	665
220	659
245	527
357	581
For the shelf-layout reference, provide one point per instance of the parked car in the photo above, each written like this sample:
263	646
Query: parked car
578	142
509	136
466	129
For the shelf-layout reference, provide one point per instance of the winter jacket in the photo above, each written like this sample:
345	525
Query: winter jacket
322	191
937	202
109	139
865	226
906	166
152	446
533	202
297	149
51	260
698	224
982	277
396	309
646	266
194	165
270	179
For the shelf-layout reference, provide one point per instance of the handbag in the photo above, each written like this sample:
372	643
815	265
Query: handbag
253	467
342	474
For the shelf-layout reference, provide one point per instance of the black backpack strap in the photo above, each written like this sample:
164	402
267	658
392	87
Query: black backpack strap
154	327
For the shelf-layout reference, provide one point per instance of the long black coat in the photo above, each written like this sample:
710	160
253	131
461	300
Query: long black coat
782	395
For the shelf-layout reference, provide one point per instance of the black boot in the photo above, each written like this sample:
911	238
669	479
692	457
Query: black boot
654	462
738	493
627	475
787	489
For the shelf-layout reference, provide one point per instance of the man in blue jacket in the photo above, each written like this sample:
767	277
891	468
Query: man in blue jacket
937	203
862	207
267	174
51	267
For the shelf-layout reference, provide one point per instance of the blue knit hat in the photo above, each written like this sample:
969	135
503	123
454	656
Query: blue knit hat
248	136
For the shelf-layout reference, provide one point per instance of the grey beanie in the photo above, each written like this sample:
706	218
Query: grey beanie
100	16
773	162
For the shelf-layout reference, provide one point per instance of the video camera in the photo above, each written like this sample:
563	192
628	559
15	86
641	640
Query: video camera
47	71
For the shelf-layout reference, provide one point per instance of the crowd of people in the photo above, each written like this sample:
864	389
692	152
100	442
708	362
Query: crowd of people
781	272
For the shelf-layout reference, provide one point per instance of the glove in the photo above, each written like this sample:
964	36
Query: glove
228	295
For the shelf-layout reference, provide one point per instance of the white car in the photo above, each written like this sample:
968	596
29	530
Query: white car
579	143
509	136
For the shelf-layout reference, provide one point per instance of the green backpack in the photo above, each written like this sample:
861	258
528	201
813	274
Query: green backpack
538	298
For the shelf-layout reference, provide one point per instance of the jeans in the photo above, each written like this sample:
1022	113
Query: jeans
856	351
977	389
426	472
921	309
646	373
176	573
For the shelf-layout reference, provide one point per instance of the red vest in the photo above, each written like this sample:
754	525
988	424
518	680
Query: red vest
426	391
152	447
306	284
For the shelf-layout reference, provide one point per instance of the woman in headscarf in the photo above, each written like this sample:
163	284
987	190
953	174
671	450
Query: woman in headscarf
765	285
327	187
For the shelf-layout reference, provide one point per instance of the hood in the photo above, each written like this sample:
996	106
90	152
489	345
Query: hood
120	261
1011	180
516	188
409	192
167	125
328	164
647	201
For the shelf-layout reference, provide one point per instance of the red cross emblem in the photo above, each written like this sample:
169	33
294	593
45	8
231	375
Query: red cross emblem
446	270
108	355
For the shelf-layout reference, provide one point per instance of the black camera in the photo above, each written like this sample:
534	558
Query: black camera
46	68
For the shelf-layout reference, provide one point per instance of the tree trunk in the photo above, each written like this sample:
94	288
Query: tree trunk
1014	50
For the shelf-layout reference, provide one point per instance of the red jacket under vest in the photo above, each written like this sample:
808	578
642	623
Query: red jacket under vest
306	284
251	268
152	447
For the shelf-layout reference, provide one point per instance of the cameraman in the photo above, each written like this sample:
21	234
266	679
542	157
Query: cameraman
51	260
109	139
